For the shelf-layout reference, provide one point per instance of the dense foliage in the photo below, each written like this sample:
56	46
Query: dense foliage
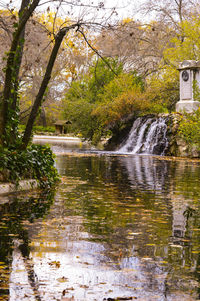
153	86
100	102
189	129
19	157
35	162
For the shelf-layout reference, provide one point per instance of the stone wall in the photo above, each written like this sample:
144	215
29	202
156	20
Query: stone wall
177	146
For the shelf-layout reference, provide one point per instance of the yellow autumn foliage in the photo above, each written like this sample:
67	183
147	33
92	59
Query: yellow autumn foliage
128	102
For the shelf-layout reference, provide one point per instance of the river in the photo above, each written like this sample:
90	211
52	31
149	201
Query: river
117	227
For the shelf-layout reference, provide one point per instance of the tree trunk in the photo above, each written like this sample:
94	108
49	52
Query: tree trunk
43	116
38	101
17	64
1	120
12	70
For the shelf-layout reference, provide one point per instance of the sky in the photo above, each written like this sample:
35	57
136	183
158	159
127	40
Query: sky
125	8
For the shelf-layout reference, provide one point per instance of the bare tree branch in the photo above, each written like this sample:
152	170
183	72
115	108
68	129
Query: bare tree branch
96	51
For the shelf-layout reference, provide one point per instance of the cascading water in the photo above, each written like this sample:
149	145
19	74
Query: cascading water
147	136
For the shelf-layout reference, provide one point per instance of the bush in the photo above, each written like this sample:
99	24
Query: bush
37	162
189	128
39	129
95	103
42	129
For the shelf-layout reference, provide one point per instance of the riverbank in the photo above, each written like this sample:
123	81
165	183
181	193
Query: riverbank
7	187
58	138
23	185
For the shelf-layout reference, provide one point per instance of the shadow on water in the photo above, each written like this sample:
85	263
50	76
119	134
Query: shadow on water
117	226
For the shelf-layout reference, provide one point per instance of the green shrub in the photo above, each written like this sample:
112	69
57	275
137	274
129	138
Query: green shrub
42	129
39	129
189	128
36	162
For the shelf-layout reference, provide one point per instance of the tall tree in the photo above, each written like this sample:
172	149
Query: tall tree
171	12
8	119
9	99
137	46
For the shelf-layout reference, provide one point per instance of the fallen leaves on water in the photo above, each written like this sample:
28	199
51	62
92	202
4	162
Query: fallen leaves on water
55	263
163	262
87	263
67	298
128	270
70	180
145	258
76	154
176	246
163	158
68	289
84	286
120	299
2	298
62	279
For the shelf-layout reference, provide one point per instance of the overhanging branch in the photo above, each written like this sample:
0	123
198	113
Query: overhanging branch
95	50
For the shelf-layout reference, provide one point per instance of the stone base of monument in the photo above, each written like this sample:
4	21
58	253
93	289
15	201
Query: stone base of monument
187	106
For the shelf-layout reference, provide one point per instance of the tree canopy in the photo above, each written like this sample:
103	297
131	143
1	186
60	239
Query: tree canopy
78	66
53	30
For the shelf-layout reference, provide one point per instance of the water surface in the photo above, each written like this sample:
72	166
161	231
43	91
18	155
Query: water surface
116	227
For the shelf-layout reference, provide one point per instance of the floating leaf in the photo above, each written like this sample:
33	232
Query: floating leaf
62	279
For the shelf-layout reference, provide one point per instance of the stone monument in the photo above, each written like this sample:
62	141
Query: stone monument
189	80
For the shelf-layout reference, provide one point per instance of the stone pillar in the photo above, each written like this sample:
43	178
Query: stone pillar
189	72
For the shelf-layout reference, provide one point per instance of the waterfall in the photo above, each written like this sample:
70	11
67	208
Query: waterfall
147	136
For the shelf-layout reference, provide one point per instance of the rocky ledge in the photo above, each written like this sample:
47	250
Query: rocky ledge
23	185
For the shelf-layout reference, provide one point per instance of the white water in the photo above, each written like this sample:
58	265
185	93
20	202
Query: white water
147	136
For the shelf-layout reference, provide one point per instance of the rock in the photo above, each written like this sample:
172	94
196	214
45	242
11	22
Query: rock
177	147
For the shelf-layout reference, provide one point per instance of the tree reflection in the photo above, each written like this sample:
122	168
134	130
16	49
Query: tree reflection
141	208
14	235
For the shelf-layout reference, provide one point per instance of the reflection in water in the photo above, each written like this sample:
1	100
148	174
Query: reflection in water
119	226
145	172
14	238
58	146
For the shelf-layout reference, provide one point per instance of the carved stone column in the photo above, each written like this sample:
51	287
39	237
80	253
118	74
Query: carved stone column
189	80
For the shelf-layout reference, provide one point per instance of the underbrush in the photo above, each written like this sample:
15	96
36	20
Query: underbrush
36	162
37	129
189	128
